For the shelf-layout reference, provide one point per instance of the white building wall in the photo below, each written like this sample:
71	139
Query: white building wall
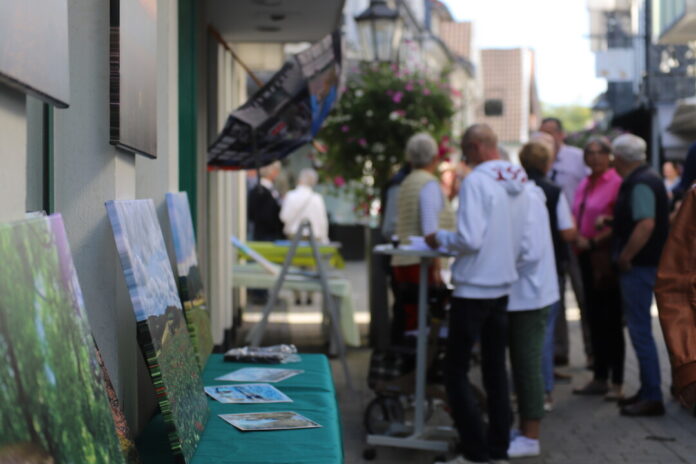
89	171
13	153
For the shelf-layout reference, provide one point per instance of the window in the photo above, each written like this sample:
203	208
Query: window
493	107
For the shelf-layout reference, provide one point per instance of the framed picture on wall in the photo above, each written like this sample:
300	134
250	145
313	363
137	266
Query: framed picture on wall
34	54
133	76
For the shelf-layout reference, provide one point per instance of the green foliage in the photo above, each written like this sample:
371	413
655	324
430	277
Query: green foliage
367	131
580	138
52	397
575	117
196	313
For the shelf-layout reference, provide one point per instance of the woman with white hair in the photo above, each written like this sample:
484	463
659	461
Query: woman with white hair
422	209
303	203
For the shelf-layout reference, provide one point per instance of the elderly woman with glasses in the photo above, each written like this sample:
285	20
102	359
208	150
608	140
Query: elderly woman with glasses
594	199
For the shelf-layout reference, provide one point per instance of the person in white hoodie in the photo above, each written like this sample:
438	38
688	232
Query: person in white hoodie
483	273
531	297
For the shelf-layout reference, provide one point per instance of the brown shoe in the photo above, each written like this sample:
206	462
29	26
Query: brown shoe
628	400
615	393
560	377
594	387
644	408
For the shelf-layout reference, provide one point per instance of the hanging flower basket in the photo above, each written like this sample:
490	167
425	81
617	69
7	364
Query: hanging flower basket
366	133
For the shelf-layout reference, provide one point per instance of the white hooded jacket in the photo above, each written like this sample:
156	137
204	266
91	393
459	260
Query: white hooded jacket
537	285
485	243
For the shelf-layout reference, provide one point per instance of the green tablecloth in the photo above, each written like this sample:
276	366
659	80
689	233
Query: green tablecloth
253	276
304	256
313	396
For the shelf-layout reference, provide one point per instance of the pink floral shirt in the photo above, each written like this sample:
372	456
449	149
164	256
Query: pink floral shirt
594	198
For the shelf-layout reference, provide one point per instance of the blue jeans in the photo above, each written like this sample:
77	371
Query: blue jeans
548	350
636	293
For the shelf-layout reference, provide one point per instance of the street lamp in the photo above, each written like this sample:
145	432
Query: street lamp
380	29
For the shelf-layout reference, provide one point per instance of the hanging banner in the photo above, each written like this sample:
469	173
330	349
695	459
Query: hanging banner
284	114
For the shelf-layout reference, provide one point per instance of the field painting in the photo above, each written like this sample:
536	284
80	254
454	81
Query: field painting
53	404
191	288
162	331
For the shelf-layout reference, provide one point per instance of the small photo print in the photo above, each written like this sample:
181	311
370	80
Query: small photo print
247	393
257	421
259	374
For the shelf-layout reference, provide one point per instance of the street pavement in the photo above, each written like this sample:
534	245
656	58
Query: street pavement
579	430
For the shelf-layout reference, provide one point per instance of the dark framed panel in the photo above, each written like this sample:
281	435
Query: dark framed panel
34	53
133	76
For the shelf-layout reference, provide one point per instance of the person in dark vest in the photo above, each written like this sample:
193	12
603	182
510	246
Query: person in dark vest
641	222
536	160
263	206
421	209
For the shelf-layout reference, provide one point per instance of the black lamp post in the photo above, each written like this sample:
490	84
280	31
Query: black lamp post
380	29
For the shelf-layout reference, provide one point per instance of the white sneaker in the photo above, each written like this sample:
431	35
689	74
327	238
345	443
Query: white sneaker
548	402
522	447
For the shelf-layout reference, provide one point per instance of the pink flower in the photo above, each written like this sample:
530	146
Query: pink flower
345	128
401	113
362	142
426	91
409	86
339	181
397	97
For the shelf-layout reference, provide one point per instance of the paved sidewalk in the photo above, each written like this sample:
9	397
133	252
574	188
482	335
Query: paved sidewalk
579	430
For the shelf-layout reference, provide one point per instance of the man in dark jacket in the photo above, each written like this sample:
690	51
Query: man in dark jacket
641	222
263	206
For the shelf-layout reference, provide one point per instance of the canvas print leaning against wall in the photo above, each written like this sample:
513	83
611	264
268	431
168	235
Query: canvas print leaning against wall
53	405
162	331
191	288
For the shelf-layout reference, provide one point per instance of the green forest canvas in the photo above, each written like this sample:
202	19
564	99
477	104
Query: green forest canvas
53	405
191	288
162	331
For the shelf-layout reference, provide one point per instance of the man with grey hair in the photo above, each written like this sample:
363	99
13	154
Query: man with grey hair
263	206
641	222
421	210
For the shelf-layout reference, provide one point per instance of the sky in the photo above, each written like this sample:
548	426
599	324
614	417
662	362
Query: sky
556	29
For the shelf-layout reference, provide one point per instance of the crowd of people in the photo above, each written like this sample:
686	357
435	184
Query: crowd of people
596	217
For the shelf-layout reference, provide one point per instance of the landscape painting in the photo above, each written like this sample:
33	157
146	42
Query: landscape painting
191	288
53	403
162	331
